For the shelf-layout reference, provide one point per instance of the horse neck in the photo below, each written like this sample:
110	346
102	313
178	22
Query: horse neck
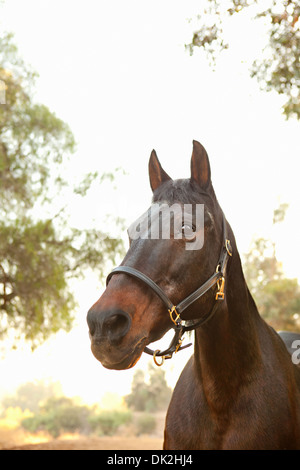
226	347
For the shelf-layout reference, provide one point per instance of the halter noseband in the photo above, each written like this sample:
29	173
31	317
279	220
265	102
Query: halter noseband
180	326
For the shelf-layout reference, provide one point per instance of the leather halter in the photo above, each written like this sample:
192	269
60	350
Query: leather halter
179	325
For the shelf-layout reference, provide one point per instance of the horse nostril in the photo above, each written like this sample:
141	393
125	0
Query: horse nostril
112	324
116	325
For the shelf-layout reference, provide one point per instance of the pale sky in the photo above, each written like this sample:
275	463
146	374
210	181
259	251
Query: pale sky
117	72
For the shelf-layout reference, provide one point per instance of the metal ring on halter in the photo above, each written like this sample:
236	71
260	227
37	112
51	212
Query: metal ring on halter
228	247
155	360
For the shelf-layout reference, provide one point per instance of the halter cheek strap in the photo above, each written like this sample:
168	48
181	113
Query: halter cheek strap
179	325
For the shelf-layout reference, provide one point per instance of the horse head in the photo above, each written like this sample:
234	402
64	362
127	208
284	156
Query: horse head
130	315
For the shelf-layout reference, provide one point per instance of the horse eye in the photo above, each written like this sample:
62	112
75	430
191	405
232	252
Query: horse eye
188	230
190	227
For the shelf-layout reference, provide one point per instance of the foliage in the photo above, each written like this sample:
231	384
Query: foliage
107	422
281	303
277	297
11	419
59	415
145	424
39	251
30	395
152	396
39	406
279	68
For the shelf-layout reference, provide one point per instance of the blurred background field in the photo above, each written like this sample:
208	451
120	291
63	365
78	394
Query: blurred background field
39	414
144	432
14	438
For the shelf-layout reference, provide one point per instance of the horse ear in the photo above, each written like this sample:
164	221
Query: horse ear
156	173
200	168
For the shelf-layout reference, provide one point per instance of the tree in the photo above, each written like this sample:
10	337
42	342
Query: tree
279	68
137	400
277	297
59	415
152	396
38	254
107	422
30	395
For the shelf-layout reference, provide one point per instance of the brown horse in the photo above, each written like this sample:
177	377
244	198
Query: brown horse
240	389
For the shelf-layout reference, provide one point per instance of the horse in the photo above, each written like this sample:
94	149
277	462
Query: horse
240	389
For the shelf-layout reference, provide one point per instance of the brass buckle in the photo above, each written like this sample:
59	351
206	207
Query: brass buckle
171	311
220	294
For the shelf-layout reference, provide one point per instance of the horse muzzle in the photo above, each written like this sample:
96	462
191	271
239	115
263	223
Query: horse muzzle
109	339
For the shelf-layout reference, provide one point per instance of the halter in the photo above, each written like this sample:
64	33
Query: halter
179	325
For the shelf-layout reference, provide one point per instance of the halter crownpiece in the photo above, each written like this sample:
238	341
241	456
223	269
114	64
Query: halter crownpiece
180	326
